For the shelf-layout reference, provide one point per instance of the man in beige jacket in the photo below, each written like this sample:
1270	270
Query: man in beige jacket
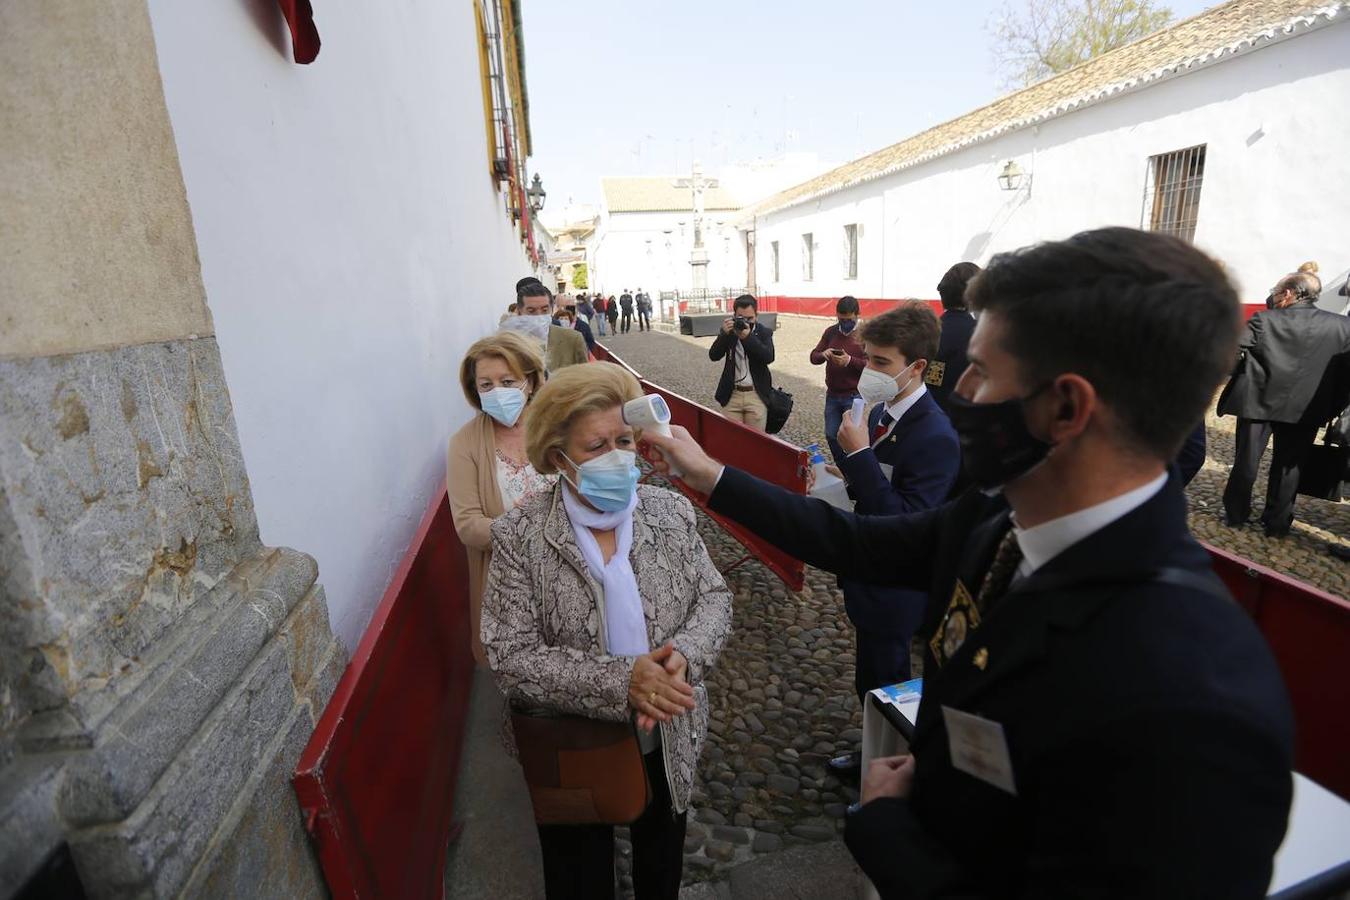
564	346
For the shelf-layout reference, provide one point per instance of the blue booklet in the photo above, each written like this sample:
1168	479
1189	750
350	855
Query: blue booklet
904	692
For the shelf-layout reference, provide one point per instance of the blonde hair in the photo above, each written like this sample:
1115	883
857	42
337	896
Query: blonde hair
1308	268
520	356
569	394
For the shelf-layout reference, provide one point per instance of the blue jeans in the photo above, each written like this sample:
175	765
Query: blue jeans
600	323
835	407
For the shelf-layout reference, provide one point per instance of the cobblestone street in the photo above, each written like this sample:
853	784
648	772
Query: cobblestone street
782	696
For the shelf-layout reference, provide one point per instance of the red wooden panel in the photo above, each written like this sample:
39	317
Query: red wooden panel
1309	632
767	456
376	781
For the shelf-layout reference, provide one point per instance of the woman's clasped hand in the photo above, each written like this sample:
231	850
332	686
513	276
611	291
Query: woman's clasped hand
657	688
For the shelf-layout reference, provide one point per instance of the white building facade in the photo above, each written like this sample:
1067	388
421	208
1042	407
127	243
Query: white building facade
1237	142
353	241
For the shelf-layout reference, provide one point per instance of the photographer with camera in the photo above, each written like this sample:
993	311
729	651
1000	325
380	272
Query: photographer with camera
747	348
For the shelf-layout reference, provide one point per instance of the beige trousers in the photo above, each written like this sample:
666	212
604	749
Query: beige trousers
745	406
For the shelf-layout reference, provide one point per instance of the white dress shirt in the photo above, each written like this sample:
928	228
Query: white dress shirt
1049	539
896	410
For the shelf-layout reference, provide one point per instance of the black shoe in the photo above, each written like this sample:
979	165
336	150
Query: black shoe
1233	522
1340	551
850	764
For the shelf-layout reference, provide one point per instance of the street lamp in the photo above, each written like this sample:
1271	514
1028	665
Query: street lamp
1010	179
535	193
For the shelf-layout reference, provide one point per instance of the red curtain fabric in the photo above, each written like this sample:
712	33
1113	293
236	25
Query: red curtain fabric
304	36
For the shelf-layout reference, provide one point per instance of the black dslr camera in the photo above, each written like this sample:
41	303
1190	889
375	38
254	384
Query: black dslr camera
740	323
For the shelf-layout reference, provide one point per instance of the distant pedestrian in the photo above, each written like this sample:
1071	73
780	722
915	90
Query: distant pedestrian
843	358
626	304
1288	383
957	325
644	310
747	348
612	313
601	317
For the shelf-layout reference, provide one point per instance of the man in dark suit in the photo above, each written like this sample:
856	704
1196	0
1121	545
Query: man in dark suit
644	310
747	348
1289	382
957	325
903	458
1099	719
626	304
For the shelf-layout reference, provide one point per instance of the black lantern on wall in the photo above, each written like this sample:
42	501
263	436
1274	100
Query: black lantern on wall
535	193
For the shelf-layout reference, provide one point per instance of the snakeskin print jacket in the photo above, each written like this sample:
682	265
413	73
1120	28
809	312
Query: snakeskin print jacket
543	623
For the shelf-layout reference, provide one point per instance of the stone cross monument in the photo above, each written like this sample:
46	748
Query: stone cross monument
698	256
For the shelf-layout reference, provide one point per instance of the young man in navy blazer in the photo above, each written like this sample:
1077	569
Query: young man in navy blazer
1099	718
903	458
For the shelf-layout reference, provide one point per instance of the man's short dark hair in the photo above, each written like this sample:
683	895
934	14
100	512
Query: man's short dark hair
911	328
846	305
1148	319
952	287
533	289
745	300
528	279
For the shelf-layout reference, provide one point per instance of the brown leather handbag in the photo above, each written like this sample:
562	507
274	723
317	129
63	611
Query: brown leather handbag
581	771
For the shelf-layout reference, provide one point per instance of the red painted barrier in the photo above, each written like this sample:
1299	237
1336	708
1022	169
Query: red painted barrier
376	781
1309	632
824	306
769	457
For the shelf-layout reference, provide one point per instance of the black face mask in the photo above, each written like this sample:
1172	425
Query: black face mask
996	446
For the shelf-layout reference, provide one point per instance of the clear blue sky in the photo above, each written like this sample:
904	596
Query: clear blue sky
623	88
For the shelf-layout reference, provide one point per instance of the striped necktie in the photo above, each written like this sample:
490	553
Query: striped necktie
1001	572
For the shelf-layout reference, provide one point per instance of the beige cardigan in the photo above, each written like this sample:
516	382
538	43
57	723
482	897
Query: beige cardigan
475	500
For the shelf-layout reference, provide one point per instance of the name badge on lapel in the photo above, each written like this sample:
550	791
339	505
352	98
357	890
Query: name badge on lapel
979	748
934	373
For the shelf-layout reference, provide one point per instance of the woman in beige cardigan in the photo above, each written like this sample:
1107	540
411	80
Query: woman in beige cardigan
488	472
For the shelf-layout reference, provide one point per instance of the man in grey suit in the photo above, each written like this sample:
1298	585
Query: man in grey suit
1290	381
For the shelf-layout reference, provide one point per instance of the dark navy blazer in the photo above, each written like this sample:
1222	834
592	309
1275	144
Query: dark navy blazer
927	457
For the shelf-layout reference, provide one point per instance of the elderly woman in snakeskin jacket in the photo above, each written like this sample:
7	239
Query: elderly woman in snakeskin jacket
601	601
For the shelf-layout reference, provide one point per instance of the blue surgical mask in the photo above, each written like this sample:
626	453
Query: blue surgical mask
504	404
608	481
847	325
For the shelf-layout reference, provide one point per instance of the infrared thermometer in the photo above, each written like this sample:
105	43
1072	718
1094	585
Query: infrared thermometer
650	413
859	410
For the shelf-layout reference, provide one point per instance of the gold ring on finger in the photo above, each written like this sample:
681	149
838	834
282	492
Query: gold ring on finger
651	698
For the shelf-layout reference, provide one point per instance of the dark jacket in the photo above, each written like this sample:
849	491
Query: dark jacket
1292	368
758	353
1148	728
626	302
957	325
926	457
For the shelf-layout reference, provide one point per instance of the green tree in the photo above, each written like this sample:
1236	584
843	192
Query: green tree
1034	39
579	277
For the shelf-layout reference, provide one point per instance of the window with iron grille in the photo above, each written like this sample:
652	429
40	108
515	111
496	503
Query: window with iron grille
773	255
808	257
1172	192
850	251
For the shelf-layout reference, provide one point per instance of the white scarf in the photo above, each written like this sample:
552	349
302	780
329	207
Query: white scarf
625	624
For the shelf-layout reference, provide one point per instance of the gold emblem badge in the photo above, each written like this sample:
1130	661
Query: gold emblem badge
962	618
935	371
981	658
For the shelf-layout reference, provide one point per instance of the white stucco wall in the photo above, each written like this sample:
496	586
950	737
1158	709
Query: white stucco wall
351	246
1276	188
631	249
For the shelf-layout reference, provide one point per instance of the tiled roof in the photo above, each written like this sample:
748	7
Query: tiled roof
659	195
1213	36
